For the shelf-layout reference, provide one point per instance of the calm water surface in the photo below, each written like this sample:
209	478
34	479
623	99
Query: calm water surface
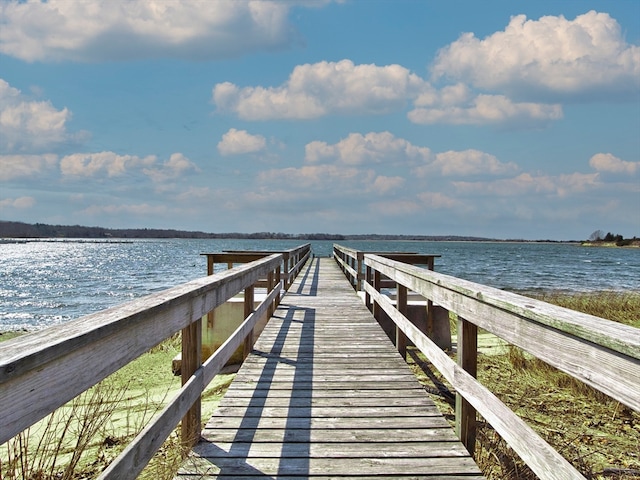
48	282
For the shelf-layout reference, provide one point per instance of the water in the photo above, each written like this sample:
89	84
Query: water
43	283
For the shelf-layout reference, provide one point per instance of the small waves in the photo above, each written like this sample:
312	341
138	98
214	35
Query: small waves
47	283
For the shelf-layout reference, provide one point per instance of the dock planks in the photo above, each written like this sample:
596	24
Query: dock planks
324	394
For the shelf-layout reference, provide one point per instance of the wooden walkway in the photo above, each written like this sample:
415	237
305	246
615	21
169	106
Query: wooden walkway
324	394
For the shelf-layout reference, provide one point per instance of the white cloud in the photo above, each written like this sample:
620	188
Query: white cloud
606	162
543	58
324	178
526	184
176	166
382	185
373	147
315	90
93	164
237	142
466	162
485	109
25	166
112	165
94	30
27	125
19	203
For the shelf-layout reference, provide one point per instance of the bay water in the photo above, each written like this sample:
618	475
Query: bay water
47	282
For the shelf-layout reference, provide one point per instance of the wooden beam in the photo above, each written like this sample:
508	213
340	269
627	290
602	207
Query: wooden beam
467	360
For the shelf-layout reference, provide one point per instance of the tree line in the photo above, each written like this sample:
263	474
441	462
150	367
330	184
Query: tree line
40	230
600	237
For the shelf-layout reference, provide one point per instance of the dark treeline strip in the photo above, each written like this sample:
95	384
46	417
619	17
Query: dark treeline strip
41	230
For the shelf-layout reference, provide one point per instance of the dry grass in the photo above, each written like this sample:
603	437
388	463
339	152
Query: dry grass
598	435
80	439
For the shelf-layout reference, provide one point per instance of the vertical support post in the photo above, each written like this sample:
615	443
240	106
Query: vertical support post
369	280
270	283
248	309
359	281
191	361
276	301
209	264
287	267
401	305
429	327
377	280
468	360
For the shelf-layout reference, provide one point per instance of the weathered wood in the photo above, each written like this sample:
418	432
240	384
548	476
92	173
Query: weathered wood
248	309
468	360
87	350
538	454
608	352
139	452
324	385
401	302
191	361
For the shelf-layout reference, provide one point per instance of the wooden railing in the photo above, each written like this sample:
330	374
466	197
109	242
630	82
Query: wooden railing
598	352
292	260
42	371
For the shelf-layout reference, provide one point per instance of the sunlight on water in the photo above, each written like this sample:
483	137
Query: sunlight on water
44	283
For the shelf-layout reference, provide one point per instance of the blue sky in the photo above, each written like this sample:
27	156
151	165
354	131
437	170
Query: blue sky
501	119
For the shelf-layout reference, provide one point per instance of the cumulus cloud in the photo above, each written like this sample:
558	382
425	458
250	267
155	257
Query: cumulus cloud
27	125
465	163
20	203
486	109
112	165
319	89
383	185
526	183
606	162
545	58
176	166
94	30
25	166
237	142
373	147
315	177
92	164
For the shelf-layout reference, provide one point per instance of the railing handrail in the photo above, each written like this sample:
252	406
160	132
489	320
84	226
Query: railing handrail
139	452
292	259
609	352
84	351
351	261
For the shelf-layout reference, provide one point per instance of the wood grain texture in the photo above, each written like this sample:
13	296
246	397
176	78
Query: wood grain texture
87	350
599	352
324	394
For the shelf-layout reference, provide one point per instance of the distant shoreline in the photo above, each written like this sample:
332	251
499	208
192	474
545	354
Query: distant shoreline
19	231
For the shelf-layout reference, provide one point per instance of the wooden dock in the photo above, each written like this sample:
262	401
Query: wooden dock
325	394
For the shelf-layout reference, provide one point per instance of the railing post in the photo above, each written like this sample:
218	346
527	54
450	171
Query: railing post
270	283
191	361
276	301
285	262
248	309
359	270
377	280
401	305
369	280
429	327
468	360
